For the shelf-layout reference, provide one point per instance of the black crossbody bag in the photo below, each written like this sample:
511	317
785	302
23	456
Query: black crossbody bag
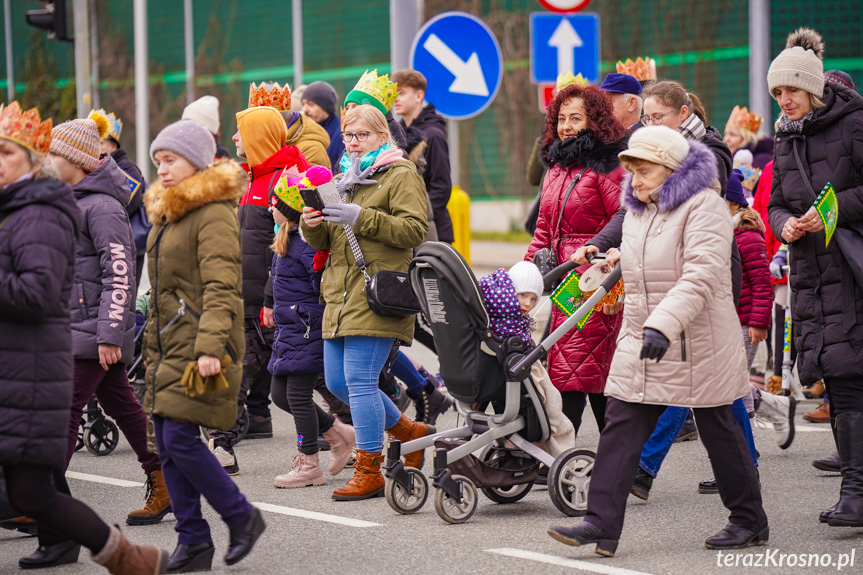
546	258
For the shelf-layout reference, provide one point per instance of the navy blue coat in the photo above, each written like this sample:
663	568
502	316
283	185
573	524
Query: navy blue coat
298	346
37	266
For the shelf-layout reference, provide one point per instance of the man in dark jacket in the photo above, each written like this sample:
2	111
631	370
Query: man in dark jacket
135	183
427	145
102	304
321	104
625	93
260	138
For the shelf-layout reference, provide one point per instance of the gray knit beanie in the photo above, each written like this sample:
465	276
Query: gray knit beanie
188	139
799	64
324	95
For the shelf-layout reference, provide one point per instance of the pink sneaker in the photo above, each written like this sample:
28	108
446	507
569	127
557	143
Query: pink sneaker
305	472
342	444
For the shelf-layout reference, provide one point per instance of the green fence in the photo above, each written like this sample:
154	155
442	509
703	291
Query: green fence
704	44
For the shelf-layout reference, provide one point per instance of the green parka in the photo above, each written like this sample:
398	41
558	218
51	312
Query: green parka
196	307
392	222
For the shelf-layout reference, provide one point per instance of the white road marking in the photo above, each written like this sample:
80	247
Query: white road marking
811	428
314	515
102	479
562	562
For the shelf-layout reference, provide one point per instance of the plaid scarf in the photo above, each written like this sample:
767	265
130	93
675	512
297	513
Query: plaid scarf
793	126
692	128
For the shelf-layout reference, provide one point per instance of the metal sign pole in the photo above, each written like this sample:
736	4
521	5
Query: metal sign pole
297	30
82	56
759	60
142	91
189	28
10	72
454	152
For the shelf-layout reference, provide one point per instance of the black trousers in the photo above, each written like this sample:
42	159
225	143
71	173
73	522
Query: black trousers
294	394
845	393
574	403
627	428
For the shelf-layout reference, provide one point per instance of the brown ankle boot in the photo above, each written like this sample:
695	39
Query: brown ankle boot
367	481
408	430
121	557
158	502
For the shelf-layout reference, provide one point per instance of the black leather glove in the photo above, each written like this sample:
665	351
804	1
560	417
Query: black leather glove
655	345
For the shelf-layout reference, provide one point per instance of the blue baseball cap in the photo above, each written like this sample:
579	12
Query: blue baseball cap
621	84
734	188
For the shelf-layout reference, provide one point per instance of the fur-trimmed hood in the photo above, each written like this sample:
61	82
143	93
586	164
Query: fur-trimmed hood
584	149
697	172
224	181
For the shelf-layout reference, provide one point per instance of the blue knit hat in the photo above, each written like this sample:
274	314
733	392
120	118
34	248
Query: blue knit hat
734	189
187	139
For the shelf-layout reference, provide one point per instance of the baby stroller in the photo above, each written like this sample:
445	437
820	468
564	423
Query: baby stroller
97	433
481	369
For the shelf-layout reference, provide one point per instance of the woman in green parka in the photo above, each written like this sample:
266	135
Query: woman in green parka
195	325
385	206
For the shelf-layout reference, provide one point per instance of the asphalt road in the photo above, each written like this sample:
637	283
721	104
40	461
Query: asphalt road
309	533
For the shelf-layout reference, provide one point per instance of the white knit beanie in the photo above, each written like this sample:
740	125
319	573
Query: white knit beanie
204	111
799	64
526	278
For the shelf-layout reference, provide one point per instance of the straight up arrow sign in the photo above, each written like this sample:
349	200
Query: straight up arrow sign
468	75
566	40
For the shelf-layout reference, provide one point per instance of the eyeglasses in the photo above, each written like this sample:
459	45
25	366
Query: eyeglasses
360	136
658	119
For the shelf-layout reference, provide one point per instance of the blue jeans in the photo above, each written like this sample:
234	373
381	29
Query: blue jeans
190	471
669	425
352	365
403	368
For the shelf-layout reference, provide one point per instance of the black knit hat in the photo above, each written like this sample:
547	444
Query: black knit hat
324	95
286	210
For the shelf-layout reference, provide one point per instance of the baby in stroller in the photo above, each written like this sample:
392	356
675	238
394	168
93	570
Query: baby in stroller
509	298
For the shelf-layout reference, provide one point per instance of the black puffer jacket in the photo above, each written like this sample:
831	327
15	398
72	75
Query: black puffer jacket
102	306
826	301
427	148
37	265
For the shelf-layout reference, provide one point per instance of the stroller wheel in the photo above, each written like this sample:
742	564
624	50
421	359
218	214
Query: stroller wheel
452	510
502	495
101	436
406	501
569	481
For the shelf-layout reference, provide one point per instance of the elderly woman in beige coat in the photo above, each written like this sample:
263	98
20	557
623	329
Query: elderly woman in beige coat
680	340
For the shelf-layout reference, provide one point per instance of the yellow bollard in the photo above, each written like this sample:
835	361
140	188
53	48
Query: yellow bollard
459	212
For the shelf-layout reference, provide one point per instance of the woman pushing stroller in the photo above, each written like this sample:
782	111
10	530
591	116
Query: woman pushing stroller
676	250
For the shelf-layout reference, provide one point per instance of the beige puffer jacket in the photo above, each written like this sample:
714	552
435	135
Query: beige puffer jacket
675	258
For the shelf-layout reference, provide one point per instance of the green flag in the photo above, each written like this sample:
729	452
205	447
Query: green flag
568	297
828	209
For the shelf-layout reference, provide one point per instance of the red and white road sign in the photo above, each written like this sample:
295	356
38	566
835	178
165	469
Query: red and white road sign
564	5
544	95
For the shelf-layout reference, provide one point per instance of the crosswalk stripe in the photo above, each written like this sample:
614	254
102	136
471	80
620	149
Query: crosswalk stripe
314	515
562	562
102	479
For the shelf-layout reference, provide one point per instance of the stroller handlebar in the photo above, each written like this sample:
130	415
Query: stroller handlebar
552	278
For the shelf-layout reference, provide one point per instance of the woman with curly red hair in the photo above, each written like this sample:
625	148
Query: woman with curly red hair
580	195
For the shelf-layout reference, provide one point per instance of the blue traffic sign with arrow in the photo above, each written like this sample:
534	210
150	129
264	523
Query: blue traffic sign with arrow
461	60
561	44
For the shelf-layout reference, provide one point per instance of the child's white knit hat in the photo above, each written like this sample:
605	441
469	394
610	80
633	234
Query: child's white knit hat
526	278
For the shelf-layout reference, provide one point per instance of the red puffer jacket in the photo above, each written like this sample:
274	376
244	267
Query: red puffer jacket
756	296
580	361
759	204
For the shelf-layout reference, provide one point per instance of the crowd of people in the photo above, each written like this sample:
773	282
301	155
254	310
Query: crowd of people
257	297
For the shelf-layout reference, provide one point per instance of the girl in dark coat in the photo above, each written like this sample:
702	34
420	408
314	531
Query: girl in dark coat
819	140
39	224
297	361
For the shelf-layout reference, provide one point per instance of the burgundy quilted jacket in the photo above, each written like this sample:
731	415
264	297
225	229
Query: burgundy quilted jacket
581	359
756	296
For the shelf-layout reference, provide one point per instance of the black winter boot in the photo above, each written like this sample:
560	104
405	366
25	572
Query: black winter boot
848	511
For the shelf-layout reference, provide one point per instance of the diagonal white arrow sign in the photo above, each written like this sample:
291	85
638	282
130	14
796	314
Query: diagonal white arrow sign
566	40
468	75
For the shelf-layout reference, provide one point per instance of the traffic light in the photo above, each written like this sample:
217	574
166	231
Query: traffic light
52	18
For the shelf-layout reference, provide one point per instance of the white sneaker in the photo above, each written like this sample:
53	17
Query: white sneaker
226	458
779	410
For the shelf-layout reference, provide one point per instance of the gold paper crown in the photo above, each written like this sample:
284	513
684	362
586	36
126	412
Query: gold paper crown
568	79
270	94
115	124
750	175
641	69
378	87
745	119
25	128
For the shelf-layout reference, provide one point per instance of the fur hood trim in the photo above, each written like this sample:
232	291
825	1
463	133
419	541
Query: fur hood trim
697	172
224	181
